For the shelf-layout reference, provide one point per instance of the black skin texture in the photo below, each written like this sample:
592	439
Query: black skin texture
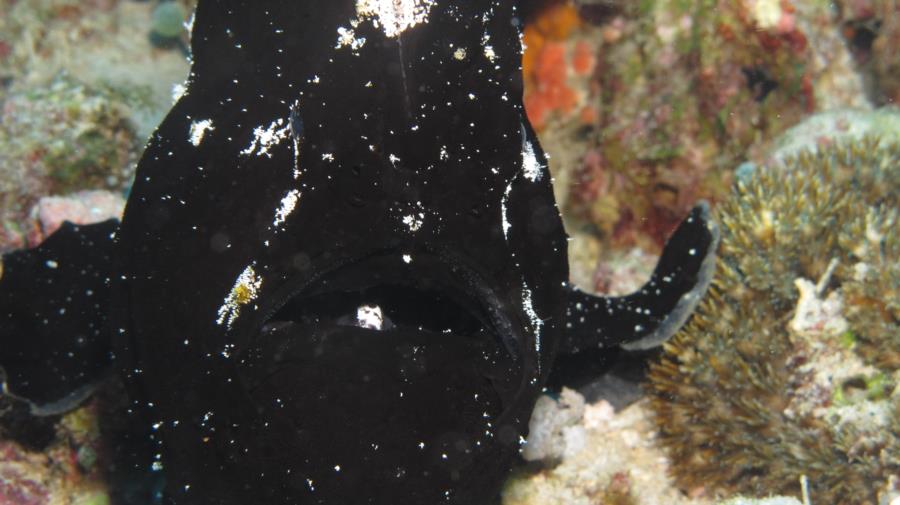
415	195
45	294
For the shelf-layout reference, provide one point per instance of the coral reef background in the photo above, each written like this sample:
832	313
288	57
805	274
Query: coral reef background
779	112
790	366
82	86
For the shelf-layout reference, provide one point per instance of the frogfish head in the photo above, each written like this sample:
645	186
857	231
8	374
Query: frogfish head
342	257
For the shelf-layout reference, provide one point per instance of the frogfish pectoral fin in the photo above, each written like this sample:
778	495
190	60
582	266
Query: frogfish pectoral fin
649	316
54	343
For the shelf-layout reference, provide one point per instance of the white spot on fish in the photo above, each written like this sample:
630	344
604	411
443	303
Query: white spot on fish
347	37
264	139
288	203
245	290
199	129
369	317
536	322
394	16
489	53
531	168
414	221
503	203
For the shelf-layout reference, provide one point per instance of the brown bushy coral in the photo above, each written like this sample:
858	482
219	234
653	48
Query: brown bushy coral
790	365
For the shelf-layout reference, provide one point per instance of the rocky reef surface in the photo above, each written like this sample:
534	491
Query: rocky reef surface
82	86
646	107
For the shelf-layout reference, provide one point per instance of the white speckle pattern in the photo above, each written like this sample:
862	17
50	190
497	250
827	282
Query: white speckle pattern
531	168
288	203
264	139
347	38
199	129
503	203
245	290
394	16
536	322
414	221
369	317
407	259
489	53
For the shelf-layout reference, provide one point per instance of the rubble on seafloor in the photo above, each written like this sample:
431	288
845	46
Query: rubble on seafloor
589	454
593	455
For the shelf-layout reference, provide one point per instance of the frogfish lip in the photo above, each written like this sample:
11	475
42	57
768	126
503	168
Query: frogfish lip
406	365
427	291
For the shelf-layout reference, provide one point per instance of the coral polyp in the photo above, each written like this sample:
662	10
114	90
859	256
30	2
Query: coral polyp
789	367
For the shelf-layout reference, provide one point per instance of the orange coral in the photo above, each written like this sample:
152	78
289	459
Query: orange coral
554	23
583	59
545	64
550	91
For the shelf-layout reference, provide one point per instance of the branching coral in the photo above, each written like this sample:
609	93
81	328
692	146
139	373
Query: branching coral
790	365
